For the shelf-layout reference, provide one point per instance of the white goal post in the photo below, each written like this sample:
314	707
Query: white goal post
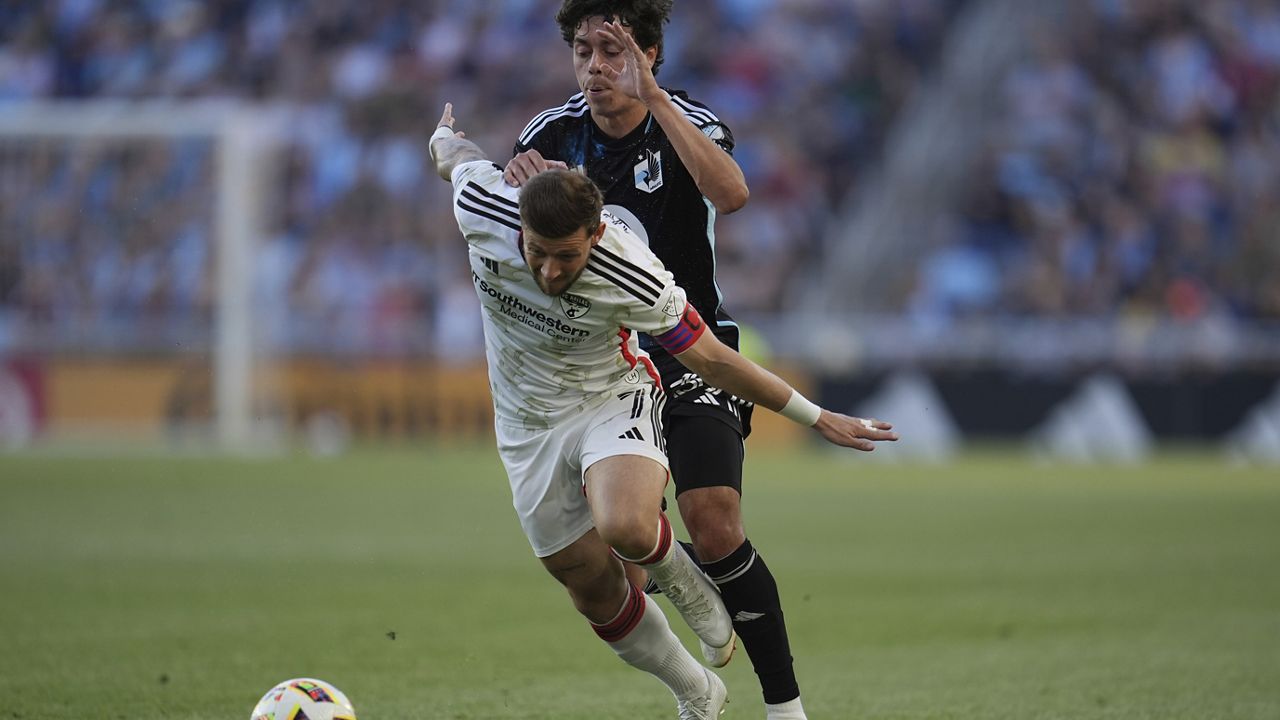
242	136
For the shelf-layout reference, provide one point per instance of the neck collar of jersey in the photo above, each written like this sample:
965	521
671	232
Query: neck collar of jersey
636	135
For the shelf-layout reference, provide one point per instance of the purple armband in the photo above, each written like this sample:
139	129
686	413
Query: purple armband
684	334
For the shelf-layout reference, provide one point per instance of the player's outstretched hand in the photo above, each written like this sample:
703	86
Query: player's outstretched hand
446	123
527	164
449	149
852	432
636	77
446	120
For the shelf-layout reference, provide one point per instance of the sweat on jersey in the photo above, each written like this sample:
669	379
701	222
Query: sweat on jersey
645	183
552	357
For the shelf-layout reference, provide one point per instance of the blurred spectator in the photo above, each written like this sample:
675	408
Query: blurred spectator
1137	170
112	239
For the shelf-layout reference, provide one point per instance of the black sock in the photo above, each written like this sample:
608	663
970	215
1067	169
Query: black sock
751	596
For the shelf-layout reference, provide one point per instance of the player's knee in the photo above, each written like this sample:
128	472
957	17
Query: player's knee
630	536
715	537
714	521
717	541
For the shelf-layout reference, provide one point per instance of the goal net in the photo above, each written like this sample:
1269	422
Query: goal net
212	275
127	240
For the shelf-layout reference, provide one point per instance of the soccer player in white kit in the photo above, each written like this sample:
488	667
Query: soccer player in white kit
563	288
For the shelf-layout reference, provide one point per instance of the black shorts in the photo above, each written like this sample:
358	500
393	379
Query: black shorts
705	428
703	452
688	396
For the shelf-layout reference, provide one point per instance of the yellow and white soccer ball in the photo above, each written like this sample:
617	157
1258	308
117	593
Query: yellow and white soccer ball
304	699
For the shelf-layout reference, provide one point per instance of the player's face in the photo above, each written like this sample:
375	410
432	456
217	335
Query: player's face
557	262
590	53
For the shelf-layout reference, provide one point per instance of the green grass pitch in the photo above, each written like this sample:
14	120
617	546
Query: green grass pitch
989	588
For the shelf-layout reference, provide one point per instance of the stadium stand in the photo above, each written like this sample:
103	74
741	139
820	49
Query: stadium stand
110	251
1136	171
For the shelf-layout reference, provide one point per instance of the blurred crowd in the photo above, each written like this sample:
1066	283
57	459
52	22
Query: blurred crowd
110	241
1135	172
102	243
1135	167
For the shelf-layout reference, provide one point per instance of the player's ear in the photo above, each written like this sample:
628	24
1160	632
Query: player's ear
599	233
651	54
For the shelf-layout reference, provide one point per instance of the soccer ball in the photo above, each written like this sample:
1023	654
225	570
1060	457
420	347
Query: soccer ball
304	699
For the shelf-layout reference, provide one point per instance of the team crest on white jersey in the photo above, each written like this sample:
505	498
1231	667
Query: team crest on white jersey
574	306
648	172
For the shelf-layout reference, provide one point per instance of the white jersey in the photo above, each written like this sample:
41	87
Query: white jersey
553	357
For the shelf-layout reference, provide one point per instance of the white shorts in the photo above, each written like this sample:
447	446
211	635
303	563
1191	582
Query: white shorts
546	468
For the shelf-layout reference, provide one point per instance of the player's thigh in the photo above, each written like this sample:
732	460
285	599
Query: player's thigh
546	487
706	463
625	466
626	489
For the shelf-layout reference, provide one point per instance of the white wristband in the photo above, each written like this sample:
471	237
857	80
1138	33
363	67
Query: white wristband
442	133
800	409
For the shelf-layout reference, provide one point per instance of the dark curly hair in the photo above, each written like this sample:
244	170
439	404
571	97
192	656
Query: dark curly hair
644	17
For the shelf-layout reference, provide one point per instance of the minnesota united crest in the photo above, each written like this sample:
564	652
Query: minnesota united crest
574	306
648	172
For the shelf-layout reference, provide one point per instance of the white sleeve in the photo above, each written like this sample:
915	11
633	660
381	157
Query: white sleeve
664	315
649	299
483	203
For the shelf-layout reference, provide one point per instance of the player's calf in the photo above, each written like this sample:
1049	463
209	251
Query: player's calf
692	594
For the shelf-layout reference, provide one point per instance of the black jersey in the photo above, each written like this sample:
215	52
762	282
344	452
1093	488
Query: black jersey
645	183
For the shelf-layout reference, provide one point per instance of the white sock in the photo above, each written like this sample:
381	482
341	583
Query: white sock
789	710
640	635
690	591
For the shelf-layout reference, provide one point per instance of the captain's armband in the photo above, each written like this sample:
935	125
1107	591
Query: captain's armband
684	334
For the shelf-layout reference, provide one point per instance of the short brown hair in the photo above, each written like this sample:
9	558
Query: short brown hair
644	17
556	203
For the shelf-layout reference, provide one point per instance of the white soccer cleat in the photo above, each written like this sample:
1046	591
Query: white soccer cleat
718	657
698	601
706	706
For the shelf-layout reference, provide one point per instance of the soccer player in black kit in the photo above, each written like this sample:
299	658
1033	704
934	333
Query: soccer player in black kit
664	163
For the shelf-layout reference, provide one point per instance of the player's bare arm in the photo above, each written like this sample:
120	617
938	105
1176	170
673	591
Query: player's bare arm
721	367
714	171
450	149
